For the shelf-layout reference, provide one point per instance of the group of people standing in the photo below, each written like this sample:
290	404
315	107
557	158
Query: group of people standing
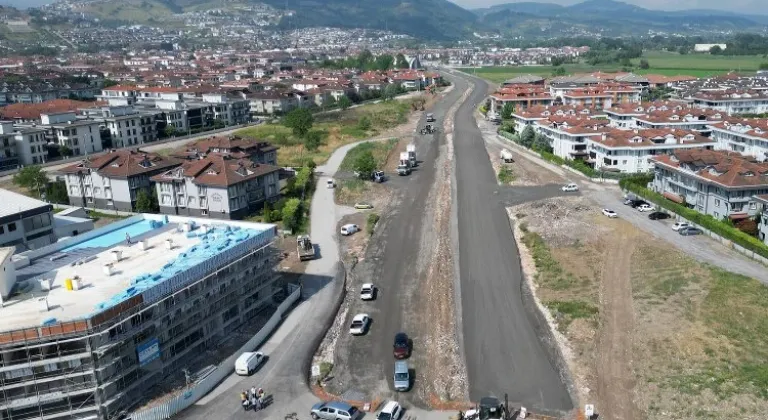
252	398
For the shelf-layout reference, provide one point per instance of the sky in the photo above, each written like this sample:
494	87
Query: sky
746	6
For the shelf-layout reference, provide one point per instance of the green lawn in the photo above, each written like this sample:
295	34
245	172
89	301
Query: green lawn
665	63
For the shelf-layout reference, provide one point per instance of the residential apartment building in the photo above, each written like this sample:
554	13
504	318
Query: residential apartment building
217	186
745	136
569	136
113	180
81	341
229	109
714	182
732	101
273	102
601	96
233	146
25	223
632	151
662	115
530	116
521	97
81	136
21	146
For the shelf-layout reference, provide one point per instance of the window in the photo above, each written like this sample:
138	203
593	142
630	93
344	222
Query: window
11	227
752	206
2	230
717	203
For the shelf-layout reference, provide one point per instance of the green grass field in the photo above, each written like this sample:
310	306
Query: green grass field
664	63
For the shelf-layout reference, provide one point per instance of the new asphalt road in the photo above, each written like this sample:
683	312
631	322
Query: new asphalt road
504	355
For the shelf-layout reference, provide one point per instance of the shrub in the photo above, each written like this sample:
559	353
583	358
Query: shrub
373	218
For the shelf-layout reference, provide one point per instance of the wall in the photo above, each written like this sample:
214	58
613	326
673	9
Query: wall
196	391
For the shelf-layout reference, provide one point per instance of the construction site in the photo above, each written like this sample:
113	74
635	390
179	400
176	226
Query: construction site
94	322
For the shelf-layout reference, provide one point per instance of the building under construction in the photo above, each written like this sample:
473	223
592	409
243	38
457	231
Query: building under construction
90	323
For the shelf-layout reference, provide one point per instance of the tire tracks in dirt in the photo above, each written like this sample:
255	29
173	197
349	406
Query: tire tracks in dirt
615	378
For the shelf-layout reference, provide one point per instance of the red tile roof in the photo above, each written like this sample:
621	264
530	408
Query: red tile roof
219	171
651	137
123	163
729	169
753	127
33	111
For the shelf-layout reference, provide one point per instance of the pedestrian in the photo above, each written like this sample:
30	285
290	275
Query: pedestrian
127	238
244	400
255	404
253	392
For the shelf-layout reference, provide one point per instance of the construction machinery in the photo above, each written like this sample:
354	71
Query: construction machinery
305	248
428	129
490	408
404	168
506	156
411	150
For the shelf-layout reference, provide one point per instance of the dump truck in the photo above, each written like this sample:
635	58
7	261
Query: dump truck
305	248
404	168
506	156
411	150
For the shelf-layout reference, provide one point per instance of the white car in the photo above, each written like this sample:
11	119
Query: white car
330	183
680	225
645	207
359	324
349	229
570	188
367	291
391	411
610	213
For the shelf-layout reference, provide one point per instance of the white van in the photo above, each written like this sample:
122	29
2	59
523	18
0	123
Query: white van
248	362
330	183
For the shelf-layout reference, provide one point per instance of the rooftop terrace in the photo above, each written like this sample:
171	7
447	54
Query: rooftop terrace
89	274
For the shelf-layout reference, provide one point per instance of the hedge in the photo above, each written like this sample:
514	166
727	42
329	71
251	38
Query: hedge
706	221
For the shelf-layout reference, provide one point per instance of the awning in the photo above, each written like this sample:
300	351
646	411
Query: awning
673	197
579	153
738	216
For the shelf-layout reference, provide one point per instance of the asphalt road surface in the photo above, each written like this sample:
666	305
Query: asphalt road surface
504	355
364	365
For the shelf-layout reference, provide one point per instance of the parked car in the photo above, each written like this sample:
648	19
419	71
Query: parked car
680	225
658	215
330	183
610	213
248	362
363	206
349	229
335	410
391	411
570	187
359	324
367	291
636	203
402	347
645	207
689	231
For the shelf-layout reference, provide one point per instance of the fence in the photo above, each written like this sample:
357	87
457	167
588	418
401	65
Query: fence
196	391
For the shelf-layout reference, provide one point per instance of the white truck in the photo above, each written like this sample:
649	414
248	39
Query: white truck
506	156
404	168
411	150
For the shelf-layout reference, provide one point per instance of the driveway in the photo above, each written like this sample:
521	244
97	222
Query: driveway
504	353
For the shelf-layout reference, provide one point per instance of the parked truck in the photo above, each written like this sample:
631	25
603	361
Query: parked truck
411	150
506	156
404	168
305	248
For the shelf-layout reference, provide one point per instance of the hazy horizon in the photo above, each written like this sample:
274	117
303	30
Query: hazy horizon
742	6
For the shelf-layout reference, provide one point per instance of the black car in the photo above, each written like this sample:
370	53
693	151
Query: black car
636	203
690	231
658	215
402	347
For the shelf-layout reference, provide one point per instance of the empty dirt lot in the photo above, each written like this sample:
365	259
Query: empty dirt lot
648	331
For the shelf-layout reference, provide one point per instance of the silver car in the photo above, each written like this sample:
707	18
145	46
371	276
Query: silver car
335	410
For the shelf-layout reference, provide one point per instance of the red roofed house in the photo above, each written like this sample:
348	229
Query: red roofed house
718	183
31	112
521	97
744	135
217	186
233	146
112	181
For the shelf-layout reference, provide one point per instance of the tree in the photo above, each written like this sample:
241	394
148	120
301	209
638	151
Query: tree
303	180
541	143
364	123
267	212
558	71
507	110
33	178
401	62
65	151
292	214
344	102
313	139
390	91
299	120
527	136
644	64
146	202
763	66
169	131
57	193
365	163
715	50
217	124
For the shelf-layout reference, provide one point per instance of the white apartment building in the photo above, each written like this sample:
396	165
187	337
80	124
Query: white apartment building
25	223
217	186
28	142
569	136
746	136
733	101
113	180
230	110
81	136
631	151
272	102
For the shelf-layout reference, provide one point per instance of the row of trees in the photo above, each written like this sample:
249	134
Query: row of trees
36	182
366	61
